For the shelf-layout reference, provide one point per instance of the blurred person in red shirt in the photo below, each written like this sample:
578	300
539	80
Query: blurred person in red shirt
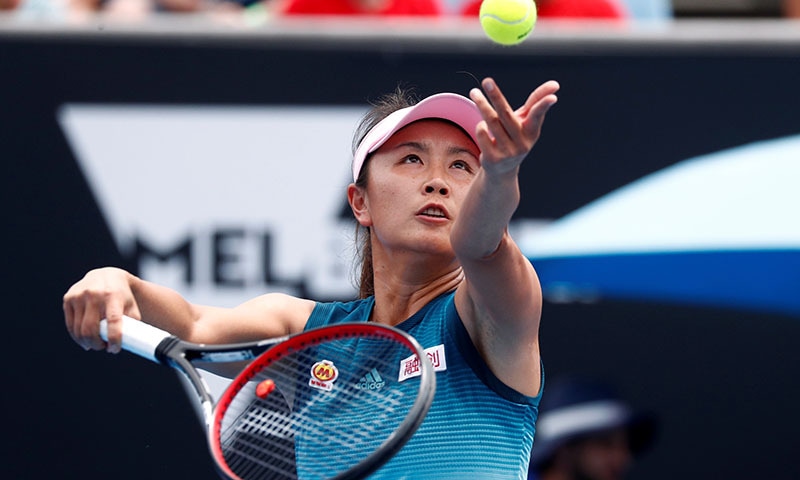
9	4
591	9
790	8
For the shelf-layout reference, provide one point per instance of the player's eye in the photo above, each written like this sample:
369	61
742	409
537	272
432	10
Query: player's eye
412	159
462	165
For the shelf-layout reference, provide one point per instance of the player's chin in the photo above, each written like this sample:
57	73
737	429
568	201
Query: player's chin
438	247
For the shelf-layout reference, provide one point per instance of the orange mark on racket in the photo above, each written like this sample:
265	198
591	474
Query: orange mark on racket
264	388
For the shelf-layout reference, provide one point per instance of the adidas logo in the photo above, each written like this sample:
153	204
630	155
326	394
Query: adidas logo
371	381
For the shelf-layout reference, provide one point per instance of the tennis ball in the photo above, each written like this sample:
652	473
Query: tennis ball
508	22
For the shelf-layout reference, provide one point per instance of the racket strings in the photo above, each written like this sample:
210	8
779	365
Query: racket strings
311	428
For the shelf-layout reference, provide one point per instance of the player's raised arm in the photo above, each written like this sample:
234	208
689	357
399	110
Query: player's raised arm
501	298
505	138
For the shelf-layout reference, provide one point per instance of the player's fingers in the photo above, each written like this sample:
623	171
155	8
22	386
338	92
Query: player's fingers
514	135
90	326
75	302
542	98
492	137
69	319
535	119
477	96
114	310
488	112
502	108
536	107
503	137
503	122
542	91
483	134
484	138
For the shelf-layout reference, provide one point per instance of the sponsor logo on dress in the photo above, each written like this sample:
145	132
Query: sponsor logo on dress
371	381
409	367
323	374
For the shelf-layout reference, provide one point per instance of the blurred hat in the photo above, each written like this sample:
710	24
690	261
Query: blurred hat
573	408
447	106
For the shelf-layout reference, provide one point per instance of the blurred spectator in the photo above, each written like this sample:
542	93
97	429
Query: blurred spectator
649	9
9	4
586	432
212	6
588	9
739	9
50	10
362	7
790	8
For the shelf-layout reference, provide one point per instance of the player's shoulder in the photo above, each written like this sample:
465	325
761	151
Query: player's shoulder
326	313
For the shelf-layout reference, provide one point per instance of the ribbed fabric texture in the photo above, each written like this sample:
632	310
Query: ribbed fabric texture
477	426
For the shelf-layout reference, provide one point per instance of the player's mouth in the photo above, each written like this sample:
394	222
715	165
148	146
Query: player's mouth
433	211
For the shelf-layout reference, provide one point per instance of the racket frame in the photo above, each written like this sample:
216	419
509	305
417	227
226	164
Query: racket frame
392	444
166	349
160	346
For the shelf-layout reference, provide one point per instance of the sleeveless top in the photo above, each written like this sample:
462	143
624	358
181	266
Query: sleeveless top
477	426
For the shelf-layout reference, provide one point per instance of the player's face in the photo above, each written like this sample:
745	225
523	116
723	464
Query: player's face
417	182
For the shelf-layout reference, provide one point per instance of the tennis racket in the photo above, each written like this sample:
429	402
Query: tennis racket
336	402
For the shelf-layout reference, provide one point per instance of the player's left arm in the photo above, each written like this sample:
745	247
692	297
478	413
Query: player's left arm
500	302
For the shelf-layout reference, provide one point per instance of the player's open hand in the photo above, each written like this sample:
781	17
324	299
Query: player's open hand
506	136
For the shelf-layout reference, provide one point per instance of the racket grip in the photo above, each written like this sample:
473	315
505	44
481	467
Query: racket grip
138	337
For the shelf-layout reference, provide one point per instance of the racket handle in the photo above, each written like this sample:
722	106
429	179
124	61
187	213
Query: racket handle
138	337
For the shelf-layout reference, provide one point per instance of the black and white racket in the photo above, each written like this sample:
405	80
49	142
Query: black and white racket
332	402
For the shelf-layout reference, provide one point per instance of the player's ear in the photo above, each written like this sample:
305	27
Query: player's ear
357	198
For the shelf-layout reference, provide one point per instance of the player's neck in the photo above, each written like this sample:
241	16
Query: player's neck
396	299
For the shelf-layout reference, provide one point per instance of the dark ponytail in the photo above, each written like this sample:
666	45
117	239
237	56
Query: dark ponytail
386	105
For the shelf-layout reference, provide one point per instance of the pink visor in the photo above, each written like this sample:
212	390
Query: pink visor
447	106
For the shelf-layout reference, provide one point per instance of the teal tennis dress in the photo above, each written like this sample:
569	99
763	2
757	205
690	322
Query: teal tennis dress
477	427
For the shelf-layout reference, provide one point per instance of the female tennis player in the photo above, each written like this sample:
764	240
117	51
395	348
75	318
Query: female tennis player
435	185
